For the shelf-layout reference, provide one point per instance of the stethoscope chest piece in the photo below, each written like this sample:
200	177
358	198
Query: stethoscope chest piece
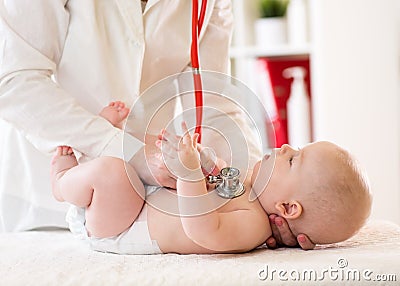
227	182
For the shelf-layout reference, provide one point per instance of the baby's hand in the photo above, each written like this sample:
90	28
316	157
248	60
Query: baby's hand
210	163
181	155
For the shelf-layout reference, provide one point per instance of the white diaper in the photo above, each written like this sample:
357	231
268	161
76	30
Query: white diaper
135	240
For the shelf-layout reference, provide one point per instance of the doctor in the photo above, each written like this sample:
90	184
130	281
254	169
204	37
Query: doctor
62	61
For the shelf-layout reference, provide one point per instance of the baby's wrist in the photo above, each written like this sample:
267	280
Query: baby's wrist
192	175
208	161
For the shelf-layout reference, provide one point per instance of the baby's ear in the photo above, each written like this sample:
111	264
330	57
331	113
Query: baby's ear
289	210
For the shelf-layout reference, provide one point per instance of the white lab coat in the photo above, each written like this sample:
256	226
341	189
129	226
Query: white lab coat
61	62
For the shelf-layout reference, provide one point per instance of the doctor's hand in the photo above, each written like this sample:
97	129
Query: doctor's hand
150	168
282	235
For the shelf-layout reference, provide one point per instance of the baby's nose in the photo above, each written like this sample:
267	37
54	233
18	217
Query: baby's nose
286	149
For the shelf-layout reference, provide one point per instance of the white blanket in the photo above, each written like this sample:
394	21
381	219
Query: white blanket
57	258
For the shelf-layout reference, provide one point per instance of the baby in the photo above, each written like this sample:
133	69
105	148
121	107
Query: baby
319	190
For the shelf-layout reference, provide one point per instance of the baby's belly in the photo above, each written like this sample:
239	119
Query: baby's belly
167	230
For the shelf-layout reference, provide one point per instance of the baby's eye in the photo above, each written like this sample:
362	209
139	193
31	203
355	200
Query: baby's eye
291	161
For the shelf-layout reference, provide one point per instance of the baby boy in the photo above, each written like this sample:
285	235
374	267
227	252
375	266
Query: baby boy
319	190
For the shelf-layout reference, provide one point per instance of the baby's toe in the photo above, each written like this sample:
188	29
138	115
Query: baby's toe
124	113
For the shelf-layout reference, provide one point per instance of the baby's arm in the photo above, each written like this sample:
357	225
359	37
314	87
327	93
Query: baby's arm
220	232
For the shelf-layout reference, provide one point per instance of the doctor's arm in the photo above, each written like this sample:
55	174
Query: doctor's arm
31	47
215	38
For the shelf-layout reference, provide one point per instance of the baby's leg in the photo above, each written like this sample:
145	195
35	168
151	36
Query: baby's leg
63	160
102	186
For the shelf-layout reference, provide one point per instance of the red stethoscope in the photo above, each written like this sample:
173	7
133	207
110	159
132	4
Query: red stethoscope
227	181
197	23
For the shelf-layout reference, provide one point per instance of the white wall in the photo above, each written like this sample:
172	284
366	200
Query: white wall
356	89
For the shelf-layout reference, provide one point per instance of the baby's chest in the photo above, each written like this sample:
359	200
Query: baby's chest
240	203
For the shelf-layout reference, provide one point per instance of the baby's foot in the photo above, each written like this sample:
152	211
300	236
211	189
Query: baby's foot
63	160
116	112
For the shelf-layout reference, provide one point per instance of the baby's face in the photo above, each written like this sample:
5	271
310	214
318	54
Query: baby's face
286	171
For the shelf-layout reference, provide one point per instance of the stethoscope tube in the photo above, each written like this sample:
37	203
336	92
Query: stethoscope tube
227	182
197	24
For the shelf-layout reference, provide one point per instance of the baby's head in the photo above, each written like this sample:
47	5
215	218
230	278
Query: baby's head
319	190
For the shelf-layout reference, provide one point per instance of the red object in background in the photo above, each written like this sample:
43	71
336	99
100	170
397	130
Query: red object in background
281	91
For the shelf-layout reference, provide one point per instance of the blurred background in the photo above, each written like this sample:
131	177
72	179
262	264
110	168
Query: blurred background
347	87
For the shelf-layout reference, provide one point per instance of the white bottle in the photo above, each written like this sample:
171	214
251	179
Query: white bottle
296	23
298	108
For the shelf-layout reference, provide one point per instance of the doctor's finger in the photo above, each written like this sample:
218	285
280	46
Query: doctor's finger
160	135
286	235
271	243
169	149
275	232
305	242
166	148
167	136
163	157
